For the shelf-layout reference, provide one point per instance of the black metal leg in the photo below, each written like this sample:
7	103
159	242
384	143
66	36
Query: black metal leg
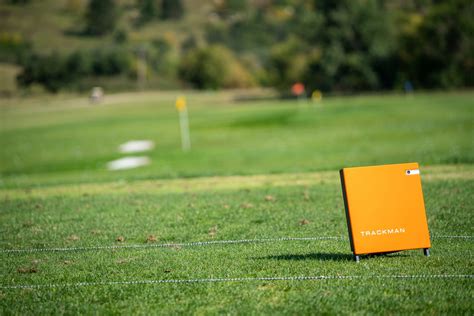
426	251
356	258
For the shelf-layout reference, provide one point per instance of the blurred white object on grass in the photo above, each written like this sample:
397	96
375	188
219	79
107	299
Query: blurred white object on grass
135	146
128	163
97	94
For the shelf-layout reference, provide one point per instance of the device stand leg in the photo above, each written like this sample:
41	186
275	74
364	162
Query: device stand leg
356	258
426	251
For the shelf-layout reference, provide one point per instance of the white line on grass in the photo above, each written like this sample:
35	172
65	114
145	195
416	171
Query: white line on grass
459	236
244	279
167	245
196	243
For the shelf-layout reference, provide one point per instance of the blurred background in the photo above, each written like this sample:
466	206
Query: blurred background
346	46
269	86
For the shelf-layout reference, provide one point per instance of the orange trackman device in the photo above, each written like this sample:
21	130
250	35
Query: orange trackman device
385	210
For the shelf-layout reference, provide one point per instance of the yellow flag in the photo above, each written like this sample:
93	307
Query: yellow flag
317	96
181	103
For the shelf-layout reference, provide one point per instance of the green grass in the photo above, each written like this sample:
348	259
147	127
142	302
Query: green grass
68	141
97	214
56	193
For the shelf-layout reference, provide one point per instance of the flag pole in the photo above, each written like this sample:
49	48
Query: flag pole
183	123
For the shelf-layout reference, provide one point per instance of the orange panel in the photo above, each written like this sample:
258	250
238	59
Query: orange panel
385	208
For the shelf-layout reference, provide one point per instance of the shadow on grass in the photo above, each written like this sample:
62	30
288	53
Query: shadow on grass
323	256
311	256
280	118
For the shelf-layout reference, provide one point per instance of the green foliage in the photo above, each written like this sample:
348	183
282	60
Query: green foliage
109	62
227	8
56	72
171	9
148	9
120	36
163	58
13	47
352	45
79	64
213	67
351	42
244	31
347	45
288	63
439	52
50	71
101	17
163	9
18	2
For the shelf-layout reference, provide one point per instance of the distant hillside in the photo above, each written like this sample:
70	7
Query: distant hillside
347	45
54	26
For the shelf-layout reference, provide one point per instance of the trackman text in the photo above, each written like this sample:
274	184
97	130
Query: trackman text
378	232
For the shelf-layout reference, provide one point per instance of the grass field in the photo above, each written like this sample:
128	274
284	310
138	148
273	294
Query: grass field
56	141
259	172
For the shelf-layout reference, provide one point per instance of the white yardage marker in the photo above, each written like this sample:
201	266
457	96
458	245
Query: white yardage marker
134	146
128	163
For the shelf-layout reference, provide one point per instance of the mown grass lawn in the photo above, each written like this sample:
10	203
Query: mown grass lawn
70	141
267	171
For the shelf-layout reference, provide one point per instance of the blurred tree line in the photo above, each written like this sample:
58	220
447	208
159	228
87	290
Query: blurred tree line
344	45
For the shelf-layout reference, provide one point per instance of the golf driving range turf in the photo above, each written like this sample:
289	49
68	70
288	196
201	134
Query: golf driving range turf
263	174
